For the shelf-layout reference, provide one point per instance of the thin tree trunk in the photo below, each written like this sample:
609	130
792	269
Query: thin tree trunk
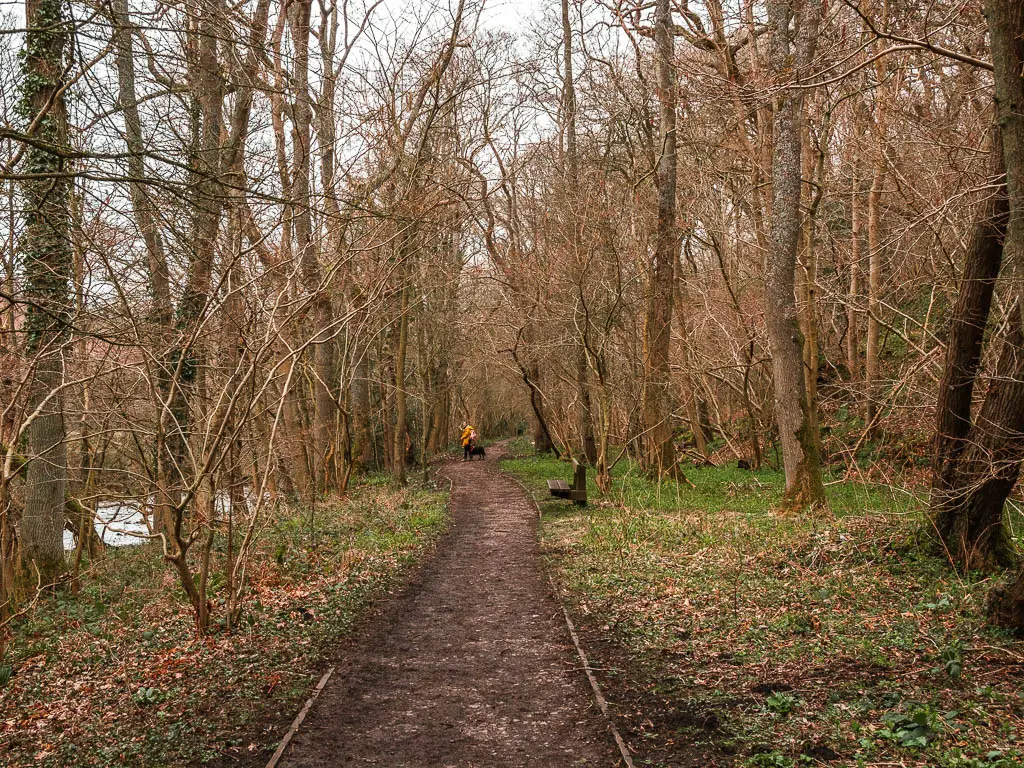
530	373
586	405
438	408
872	393
79	514
700	431
871	350
142	207
604	406
161	309
428	396
232	346
966	335
586	416
542	440
401	409
856	255
327	353
191	355
815	170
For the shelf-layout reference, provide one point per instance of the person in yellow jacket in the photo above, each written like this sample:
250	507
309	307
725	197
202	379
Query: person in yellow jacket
468	439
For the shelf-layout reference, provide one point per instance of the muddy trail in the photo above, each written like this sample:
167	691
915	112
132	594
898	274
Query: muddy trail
472	665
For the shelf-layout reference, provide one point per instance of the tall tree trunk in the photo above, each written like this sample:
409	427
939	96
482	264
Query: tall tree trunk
604	410
386	409
1006	30
586	416
586	404
296	447
964	346
872	391
790	57
79	510
324	411
529	370
661	454
233	347
161	308
142	208
48	271
438	409
428	395
190	357
327	354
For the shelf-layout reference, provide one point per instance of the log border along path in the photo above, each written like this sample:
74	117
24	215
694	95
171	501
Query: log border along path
472	666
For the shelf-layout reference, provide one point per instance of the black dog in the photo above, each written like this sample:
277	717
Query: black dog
477	450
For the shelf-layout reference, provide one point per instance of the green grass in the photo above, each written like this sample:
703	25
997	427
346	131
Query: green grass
714	489
115	675
711	591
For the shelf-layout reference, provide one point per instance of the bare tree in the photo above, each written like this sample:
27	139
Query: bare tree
661	456
791	53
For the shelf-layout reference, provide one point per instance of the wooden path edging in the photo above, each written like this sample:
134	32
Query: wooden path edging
298	720
283	746
602	703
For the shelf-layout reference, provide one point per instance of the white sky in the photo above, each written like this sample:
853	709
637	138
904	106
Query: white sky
512	14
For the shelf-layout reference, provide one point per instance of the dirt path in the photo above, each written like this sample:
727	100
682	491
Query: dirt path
471	666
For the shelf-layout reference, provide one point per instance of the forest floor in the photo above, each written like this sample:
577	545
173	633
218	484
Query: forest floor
472	665
722	632
729	634
115	675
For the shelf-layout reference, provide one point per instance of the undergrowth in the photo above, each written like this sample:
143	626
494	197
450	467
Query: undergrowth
115	675
762	638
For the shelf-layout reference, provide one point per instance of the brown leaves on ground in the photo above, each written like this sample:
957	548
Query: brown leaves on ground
848	621
116	675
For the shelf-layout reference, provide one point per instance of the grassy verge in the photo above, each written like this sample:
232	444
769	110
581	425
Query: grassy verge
116	676
732	635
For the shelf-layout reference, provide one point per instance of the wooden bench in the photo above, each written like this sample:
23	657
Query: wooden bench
577	491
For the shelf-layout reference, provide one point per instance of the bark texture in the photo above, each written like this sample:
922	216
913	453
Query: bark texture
312	274
790	55
661	454
1006	30
48	269
970	522
964	346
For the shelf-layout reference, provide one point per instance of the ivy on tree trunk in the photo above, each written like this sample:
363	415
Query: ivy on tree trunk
47	255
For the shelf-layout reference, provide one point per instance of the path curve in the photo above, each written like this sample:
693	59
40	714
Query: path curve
472	665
